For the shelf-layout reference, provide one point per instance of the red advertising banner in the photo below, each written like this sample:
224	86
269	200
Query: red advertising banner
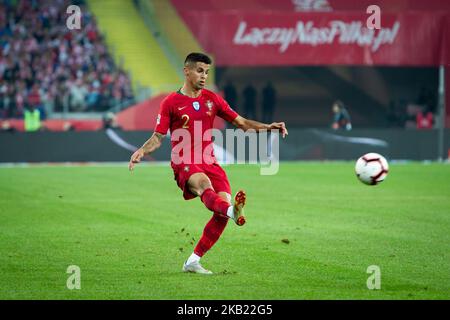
311	5
264	37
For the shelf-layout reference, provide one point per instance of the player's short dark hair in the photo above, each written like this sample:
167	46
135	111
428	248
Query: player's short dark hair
197	57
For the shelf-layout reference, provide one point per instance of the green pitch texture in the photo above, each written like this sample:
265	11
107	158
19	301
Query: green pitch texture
312	231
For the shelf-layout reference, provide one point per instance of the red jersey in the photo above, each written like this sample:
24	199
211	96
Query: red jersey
190	121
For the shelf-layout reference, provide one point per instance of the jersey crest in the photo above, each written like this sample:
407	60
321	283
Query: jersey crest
209	104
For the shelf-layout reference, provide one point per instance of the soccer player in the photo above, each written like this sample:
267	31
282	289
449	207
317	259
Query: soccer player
193	105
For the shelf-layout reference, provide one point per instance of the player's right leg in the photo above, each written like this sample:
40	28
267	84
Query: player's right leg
200	185
220	183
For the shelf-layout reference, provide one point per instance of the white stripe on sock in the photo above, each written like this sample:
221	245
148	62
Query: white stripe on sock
193	258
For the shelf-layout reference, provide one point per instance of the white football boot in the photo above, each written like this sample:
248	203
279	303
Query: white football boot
195	267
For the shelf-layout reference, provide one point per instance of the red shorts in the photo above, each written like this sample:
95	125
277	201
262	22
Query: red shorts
215	173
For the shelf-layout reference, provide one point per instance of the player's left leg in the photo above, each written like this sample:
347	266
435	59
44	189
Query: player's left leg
213	230
220	183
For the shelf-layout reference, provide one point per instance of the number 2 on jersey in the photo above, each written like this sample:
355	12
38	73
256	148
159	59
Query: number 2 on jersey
185	117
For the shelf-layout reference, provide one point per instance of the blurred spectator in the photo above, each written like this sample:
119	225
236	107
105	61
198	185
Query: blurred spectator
44	63
93	96
427	99
269	98
341	118
32	119
3	105
78	93
412	111
34	100
424	120
426	104
249	102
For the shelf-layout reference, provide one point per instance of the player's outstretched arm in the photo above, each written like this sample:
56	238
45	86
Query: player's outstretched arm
149	146
247	124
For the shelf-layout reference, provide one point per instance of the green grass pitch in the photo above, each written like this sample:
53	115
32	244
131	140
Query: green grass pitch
130	233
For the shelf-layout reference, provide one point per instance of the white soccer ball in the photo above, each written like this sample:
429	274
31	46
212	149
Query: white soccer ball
371	168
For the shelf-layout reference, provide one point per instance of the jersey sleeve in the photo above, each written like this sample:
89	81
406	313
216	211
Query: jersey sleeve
224	110
163	119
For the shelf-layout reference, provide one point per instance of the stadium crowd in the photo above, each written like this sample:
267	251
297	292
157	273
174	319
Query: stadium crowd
45	65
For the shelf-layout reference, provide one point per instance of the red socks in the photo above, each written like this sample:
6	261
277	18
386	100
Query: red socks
211	233
214	202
